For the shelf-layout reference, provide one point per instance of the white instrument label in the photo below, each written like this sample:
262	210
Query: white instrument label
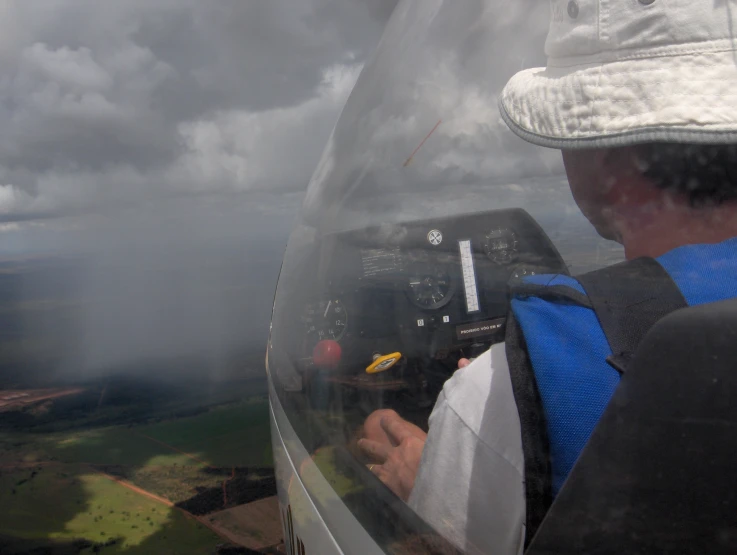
469	277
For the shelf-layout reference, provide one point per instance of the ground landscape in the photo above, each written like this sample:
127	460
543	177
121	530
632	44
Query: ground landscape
163	485
160	458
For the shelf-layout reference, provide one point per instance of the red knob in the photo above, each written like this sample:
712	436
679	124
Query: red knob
326	354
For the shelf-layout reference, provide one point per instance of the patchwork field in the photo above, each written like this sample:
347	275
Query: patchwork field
217	436
236	435
256	525
133	489
68	502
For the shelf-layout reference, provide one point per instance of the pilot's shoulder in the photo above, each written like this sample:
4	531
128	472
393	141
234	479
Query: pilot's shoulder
552	302
550	281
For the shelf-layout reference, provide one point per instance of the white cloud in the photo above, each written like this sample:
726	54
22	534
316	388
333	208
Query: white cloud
244	150
103	102
13	200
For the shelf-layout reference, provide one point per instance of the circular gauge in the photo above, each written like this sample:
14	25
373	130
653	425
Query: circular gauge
501	245
325	320
430	289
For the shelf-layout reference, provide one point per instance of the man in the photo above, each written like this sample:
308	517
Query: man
639	97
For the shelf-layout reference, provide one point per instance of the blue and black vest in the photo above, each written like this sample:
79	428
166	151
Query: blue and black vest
569	340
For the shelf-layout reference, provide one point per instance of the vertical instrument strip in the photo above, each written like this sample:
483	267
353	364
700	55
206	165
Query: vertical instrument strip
469	277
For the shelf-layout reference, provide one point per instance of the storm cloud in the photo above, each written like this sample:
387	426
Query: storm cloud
162	149
115	102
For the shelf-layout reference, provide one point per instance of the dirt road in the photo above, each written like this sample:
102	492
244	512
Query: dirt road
16	399
132	487
202	520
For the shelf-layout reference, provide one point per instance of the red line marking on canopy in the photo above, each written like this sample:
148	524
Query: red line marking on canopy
409	160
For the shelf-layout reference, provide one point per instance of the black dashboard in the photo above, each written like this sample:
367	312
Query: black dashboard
377	318
432	291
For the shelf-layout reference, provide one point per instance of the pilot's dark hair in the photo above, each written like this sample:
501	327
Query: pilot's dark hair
706	174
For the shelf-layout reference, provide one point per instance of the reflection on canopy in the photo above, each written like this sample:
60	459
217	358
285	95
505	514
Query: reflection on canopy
422	211
440	66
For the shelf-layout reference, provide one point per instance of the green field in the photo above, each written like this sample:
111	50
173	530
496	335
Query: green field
236	435
108	446
67	502
52	489
227	436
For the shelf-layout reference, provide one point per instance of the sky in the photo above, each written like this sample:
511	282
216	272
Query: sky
167	145
104	104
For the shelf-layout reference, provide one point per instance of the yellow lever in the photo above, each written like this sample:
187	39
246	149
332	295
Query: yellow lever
382	363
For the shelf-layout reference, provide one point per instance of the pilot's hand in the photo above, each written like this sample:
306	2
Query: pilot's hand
396	450
462	363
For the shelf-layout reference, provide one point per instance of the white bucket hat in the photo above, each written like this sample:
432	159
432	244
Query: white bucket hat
630	71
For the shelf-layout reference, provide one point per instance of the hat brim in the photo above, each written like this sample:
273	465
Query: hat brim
685	99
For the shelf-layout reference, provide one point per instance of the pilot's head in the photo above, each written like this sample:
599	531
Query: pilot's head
641	97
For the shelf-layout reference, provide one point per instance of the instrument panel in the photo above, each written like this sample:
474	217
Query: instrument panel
378	318
426	289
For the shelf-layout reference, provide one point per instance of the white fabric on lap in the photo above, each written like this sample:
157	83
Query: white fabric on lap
470	483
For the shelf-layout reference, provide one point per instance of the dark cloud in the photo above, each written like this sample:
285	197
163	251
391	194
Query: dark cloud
102	101
157	142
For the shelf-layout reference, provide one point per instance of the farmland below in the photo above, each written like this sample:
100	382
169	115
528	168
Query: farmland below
123	424
142	484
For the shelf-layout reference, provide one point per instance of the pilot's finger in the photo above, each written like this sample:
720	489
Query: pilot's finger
381	473
463	363
391	480
398	430
374	450
372	426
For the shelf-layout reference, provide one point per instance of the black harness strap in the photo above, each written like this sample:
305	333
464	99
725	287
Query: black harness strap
535	444
555	293
628	299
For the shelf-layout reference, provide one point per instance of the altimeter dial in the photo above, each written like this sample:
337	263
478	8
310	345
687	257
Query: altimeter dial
325	319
